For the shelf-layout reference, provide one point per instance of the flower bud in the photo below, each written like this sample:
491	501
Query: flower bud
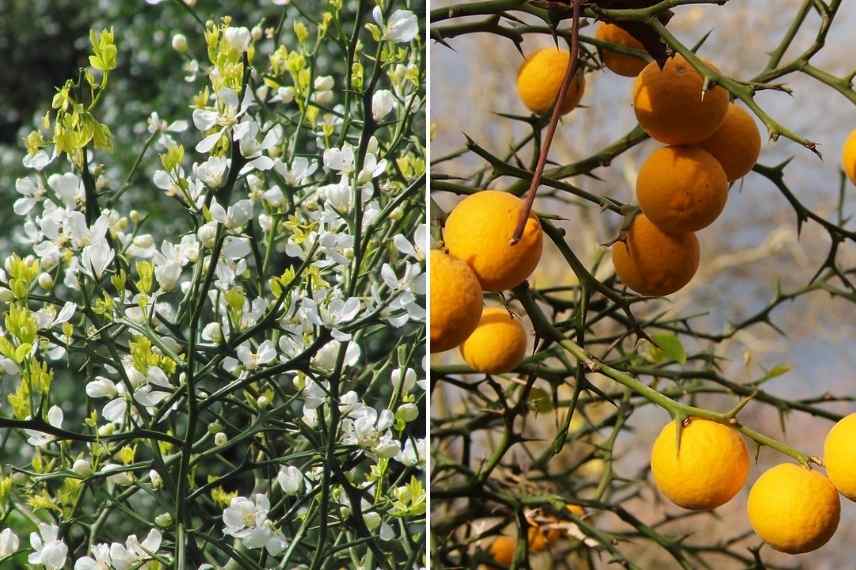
220	439
163	520
290	479
263	402
179	43
407	412
82	467
135	216
156	479
46	282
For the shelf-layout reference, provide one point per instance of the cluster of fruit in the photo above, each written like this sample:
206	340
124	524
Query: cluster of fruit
793	508
683	187
477	236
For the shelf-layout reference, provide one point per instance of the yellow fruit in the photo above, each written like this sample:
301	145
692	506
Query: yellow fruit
848	157
456	301
736	144
670	107
502	550
708	469
681	189
793	508
839	456
497	345
540	79
620	63
479	231
541	539
652	262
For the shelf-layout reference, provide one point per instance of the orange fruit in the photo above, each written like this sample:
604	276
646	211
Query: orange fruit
479	231
502	550
456	301
839	456
497	345
848	157
793	508
708	468
652	262
540	79
736	144
539	539
617	62
669	104
681	189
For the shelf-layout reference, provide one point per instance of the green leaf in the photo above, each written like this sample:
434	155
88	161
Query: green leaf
671	346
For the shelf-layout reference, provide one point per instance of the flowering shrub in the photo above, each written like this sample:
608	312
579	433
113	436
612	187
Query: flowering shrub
252	382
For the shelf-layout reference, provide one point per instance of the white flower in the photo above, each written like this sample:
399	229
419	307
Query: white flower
247	133
252	360
301	169
237	38
68	187
383	102
41	439
48	550
225	116
419	246
100	559
133	553
212	172
402	26
290	479
341	160
412	454
247	520
38	160
283	95
9	542
96	258
326	356
32	192
236	216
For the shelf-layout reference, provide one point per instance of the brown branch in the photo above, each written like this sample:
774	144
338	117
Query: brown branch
554	121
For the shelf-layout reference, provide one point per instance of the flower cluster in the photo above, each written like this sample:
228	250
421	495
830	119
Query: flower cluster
248	386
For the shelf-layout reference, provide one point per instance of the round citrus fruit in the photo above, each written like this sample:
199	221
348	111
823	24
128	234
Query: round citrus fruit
839	456
456	301
502	550
652	262
681	189
497	345
540	539
540	79
479	231
793	508
736	144
705	470
671	106
848	157
617	62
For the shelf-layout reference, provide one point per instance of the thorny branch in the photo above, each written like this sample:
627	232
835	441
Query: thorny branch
588	355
